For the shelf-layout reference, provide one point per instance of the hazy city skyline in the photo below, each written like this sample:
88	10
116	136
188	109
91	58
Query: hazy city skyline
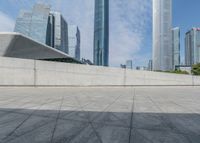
130	29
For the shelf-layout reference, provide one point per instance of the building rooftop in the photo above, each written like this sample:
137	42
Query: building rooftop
17	45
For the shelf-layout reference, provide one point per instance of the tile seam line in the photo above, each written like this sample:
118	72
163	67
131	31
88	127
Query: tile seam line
132	111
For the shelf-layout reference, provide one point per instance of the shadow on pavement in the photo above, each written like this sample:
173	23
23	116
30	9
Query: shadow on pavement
73	126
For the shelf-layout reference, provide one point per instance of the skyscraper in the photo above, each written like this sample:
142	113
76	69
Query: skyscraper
74	41
101	33
162	36
129	64
60	32
34	23
150	68
192	47
176	46
44	26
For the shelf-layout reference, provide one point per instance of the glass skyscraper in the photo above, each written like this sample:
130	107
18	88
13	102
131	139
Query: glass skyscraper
176	46
44	26
192	47
162	35
74	41
34	24
129	64
60	32
101	33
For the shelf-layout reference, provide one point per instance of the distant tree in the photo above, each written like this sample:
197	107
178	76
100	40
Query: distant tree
176	72
196	69
179	72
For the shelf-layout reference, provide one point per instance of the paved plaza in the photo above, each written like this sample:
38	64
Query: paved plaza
100	115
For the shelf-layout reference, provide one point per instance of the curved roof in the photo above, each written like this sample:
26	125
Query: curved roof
19	46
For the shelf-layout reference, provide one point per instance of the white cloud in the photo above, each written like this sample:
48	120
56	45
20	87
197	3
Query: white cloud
6	23
80	13
129	20
129	23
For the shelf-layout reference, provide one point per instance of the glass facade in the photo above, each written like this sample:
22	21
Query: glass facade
44	26
129	64
74	41
162	35
101	33
60	34
150	68
34	24
176	46
192	47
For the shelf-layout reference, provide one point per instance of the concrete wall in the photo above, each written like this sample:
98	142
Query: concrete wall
21	72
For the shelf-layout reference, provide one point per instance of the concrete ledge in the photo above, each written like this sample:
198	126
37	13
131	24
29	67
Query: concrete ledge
21	72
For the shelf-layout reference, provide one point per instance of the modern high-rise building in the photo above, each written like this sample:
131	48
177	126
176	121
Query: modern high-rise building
34	23
44	26
101	33
150	66
192	47
129	64
176	47
74	41
162	35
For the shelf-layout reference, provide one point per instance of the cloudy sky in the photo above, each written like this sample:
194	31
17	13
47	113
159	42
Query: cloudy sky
130	24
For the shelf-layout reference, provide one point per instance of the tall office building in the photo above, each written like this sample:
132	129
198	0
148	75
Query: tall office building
44	26
74	41
101	33
150	66
129	64
192	47
162	36
34	23
58	28
176	47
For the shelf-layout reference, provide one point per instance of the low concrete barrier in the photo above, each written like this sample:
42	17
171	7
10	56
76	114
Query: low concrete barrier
22	72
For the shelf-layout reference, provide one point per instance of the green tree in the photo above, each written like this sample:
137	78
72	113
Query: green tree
196	69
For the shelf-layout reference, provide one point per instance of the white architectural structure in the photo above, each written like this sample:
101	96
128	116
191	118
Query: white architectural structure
162	35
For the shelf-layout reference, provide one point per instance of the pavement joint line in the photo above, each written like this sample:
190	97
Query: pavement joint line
57	118
29	131
20	109
35	128
89	121
106	108
33	112
186	108
132	111
166	121
186	134
29	116
13	101
149	141
43	116
75	135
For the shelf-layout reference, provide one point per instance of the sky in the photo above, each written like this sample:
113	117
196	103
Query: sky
130	24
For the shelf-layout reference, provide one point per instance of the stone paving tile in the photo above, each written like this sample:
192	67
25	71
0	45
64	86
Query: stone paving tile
161	136
100	115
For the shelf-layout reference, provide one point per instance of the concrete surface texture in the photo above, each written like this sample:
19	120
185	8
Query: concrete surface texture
42	73
20	46
100	115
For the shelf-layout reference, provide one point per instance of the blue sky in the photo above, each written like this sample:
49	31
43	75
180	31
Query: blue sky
185	16
130	24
